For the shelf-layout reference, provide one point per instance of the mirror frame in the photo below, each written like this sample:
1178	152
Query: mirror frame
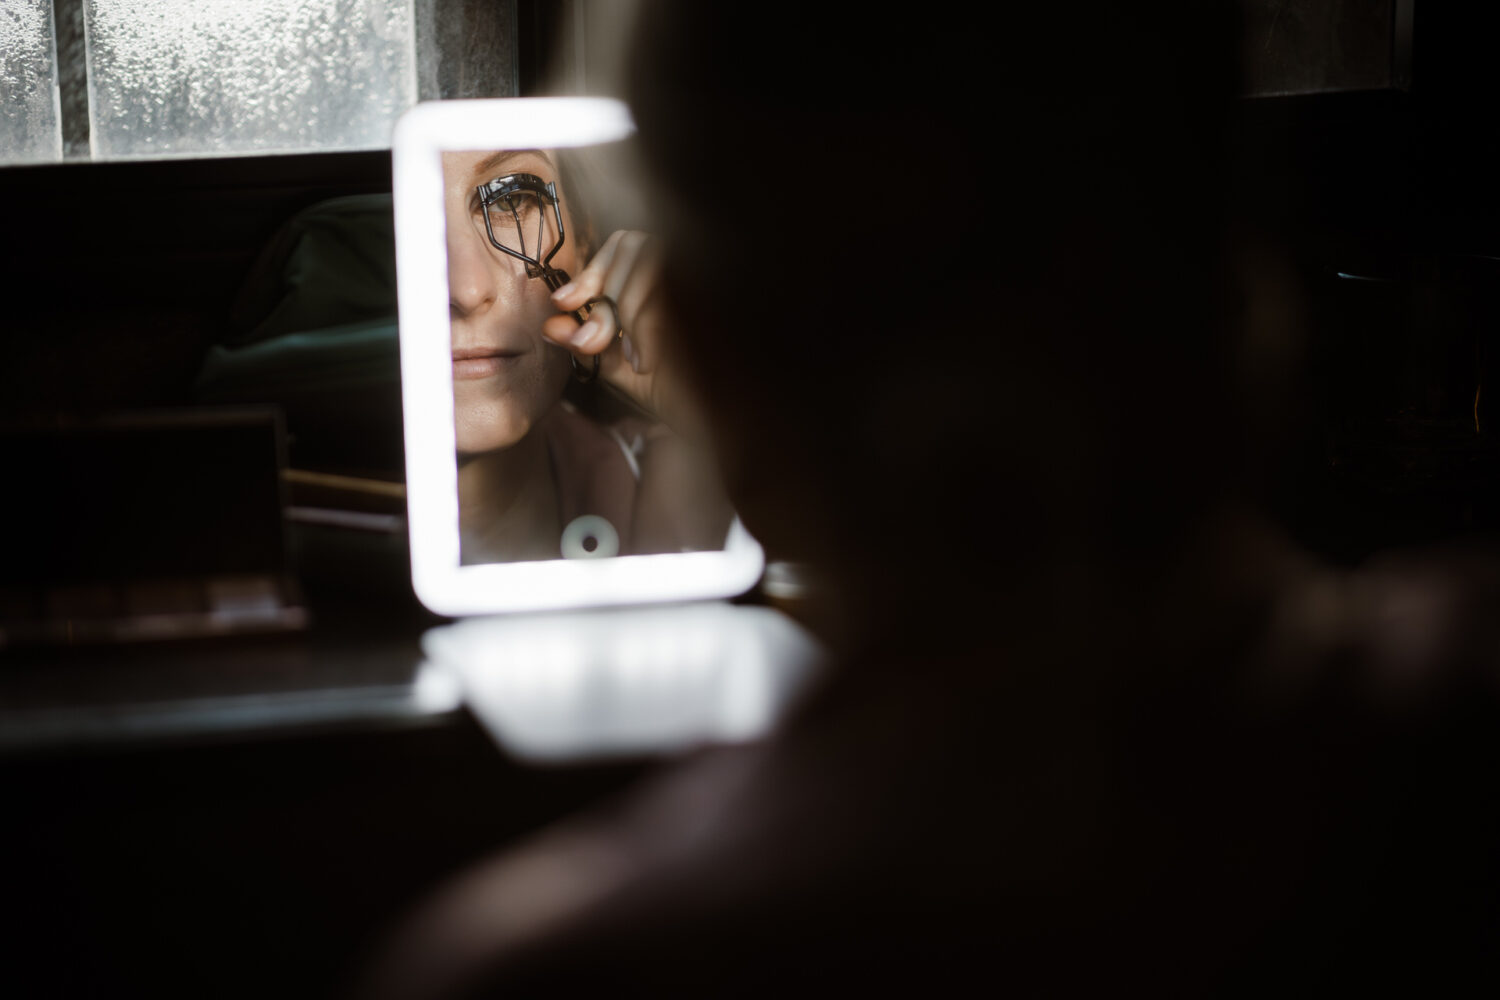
442	583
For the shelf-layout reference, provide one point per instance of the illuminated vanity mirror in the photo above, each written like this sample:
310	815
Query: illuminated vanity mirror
548	464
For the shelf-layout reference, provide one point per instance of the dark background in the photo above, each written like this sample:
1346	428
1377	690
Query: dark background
266	867
117	277
254	865
1381	442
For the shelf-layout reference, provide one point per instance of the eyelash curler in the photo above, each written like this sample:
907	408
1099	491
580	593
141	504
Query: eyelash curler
511	193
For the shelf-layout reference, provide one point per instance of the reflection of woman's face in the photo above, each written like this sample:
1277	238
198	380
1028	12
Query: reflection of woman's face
506	375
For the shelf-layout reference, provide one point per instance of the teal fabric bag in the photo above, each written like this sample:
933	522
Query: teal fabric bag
313	331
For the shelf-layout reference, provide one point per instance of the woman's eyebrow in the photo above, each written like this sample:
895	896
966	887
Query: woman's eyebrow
495	161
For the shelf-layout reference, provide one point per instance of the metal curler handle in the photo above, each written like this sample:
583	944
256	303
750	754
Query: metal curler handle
555	278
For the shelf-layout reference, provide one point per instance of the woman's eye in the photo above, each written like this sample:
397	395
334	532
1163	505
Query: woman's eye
519	224
515	212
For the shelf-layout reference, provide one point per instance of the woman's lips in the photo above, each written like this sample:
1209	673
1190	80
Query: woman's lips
482	362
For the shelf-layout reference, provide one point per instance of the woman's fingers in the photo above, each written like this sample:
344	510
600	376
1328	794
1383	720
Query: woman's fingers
614	277
634	278
589	282
590	337
620	288
627	287
596	332
637	299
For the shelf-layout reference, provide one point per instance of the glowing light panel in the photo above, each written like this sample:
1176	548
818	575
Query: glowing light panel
440	581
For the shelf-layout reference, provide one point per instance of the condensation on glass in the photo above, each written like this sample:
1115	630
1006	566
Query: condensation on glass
30	126
215	77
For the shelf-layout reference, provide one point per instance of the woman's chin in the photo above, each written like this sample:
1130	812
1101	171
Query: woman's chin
479	441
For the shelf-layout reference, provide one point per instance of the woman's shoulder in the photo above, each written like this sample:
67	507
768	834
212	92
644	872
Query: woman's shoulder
658	493
595	469
615	444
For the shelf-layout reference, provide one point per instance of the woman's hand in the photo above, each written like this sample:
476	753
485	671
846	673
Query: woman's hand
627	269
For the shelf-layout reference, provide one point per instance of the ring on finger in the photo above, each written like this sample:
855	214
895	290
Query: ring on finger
614	311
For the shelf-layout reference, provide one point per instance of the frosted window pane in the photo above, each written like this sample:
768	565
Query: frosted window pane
196	77
30	127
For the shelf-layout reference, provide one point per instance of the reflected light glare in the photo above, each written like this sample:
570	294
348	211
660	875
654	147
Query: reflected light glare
632	660
747	700
637	681
436	689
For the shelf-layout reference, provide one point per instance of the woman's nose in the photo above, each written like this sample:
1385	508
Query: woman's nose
471	278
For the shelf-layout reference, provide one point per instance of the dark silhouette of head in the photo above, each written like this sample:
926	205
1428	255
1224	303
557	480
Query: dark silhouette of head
950	291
